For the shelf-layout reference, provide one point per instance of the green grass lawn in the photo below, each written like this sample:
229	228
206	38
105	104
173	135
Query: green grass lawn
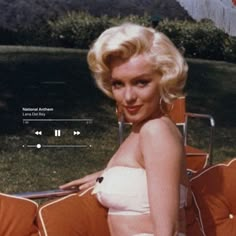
59	78
211	88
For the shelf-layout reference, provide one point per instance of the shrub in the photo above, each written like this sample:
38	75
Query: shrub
199	40
80	29
7	36
37	35
77	29
230	49
144	20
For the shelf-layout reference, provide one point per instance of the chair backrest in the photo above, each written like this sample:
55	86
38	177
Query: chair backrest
177	110
196	158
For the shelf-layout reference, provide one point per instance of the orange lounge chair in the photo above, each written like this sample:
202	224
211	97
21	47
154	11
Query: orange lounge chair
212	211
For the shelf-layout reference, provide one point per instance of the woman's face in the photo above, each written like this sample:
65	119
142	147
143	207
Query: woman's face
135	87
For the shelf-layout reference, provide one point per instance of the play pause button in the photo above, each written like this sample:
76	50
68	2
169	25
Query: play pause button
57	132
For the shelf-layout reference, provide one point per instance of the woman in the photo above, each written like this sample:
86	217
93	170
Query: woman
144	184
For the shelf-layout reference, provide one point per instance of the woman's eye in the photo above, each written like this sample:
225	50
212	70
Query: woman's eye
117	84
142	83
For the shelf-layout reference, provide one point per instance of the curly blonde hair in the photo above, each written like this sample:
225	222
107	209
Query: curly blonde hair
129	40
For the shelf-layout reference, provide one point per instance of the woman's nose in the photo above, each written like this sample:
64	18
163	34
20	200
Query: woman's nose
129	95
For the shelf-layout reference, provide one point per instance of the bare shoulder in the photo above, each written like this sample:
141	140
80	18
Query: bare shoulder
161	138
160	127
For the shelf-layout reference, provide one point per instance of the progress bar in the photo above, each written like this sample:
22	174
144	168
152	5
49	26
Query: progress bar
56	146
88	121
84	120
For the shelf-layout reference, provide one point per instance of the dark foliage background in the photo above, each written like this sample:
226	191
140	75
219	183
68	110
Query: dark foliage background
18	14
25	22
76	24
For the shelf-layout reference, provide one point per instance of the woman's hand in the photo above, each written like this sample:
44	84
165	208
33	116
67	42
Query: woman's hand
83	183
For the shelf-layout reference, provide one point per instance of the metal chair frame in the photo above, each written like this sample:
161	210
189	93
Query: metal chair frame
211	131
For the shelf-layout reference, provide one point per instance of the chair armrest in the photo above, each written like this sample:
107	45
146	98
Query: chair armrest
46	194
204	116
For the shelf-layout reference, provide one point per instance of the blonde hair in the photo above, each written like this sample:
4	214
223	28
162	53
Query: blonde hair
128	40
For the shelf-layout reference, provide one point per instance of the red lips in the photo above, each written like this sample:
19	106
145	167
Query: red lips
133	109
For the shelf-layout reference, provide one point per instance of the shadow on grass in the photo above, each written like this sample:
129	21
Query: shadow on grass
211	89
60	81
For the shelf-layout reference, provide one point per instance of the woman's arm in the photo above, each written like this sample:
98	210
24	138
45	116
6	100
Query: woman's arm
83	183
162	150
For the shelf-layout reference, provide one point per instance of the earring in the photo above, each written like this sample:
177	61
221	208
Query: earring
165	108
